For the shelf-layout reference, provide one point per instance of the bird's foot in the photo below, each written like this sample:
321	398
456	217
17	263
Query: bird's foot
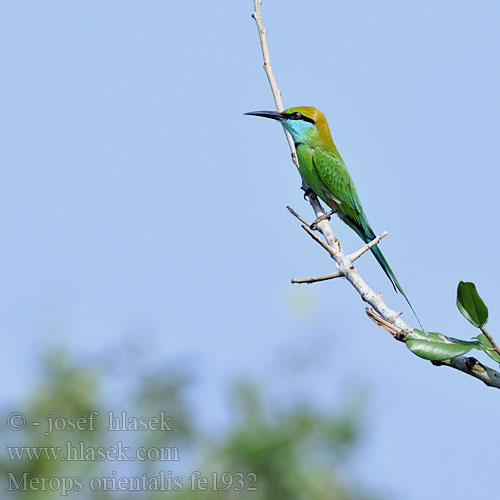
323	217
307	192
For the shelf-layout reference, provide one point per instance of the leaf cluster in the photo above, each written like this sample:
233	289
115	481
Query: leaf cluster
438	347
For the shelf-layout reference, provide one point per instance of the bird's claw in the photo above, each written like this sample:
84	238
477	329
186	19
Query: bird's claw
307	192
323	217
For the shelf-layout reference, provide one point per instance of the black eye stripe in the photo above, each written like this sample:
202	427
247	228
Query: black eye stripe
293	116
307	119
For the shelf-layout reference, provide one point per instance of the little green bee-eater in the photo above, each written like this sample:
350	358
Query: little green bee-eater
322	167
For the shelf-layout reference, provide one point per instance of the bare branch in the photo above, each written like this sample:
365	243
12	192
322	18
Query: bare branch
345	266
318	278
356	255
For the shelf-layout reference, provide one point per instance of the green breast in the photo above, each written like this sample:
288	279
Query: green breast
310	175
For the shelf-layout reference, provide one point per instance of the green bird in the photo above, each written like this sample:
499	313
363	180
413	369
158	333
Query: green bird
324	171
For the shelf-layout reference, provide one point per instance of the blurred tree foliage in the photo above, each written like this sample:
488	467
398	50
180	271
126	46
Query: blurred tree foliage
292	451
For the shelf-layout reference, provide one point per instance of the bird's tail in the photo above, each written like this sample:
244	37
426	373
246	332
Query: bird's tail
392	277
364	231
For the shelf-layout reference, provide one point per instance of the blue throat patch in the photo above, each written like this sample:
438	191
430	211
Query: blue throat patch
299	129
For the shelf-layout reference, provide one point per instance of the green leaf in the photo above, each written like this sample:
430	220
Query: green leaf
471	305
490	351
437	347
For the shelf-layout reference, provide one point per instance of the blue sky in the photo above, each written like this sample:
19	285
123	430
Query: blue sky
135	196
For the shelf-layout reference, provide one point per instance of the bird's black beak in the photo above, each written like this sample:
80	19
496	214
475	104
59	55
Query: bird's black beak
274	115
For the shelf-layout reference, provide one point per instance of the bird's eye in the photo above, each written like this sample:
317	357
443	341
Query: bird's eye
296	116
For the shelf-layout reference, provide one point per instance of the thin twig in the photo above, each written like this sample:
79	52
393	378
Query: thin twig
317	239
270	74
490	338
356	255
318	278
295	214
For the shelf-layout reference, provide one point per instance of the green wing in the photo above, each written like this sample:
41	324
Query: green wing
339	186
339	192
